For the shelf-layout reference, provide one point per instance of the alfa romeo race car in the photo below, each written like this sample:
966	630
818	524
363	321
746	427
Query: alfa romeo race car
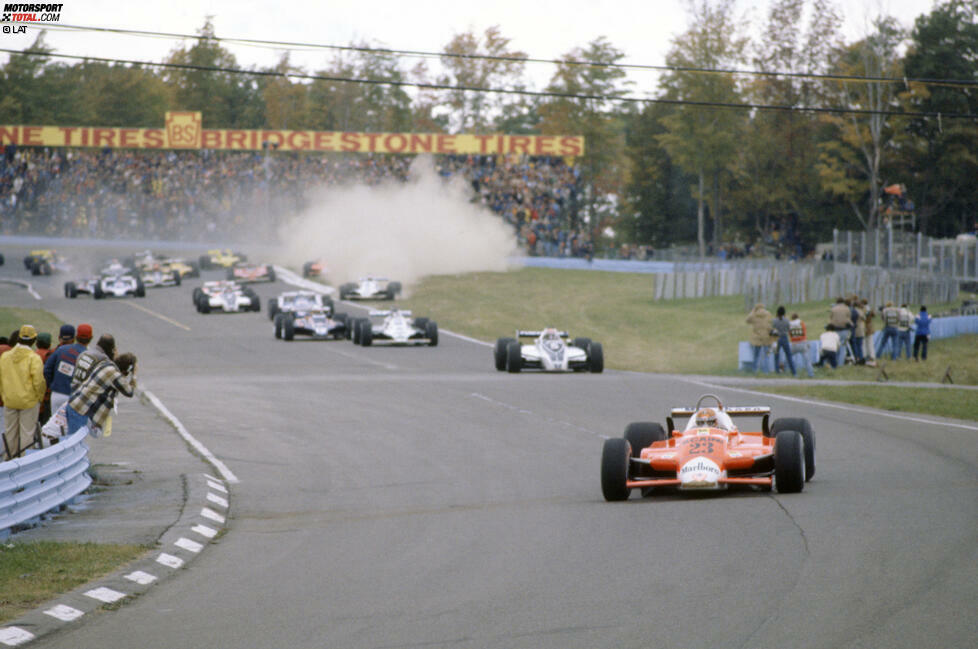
298	301
221	259
245	272
318	323
107	285
397	327
225	296
709	453
370	288
549	352
45	262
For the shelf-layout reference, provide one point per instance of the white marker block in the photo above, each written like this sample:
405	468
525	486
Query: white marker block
187	544
203	530
64	613
211	514
104	594
169	560
216	487
217	500
141	578
14	635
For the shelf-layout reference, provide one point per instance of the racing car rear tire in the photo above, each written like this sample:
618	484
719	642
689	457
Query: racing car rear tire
97	291
140	288
177	278
581	342
204	305
514	357
288	328
366	333
420	323
71	290
614	469
805	428
196	294
431	330
595	358
278	325
789	462
499	352
641	434
272	308
328	303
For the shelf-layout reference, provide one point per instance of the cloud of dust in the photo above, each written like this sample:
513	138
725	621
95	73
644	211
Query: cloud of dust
401	231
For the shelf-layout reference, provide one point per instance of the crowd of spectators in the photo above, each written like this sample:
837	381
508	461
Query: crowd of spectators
209	195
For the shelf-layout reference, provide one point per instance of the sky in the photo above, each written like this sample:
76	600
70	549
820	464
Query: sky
643	29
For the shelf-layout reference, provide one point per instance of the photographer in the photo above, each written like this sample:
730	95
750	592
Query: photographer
94	399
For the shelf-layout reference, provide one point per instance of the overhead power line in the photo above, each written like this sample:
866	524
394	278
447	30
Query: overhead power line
505	91
489	57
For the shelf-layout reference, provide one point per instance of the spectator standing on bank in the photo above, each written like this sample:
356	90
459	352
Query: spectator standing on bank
829	341
759	320
868	347
858	329
904	322
22	386
93	401
43	350
60	366
923	333
890	316
840	321
798	334
104	350
782	327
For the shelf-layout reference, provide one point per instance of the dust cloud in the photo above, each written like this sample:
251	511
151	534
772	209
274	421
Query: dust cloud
401	231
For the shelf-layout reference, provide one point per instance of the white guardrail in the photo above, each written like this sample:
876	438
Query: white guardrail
43	480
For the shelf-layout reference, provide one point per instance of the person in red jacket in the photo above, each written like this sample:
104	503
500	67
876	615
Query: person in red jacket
798	335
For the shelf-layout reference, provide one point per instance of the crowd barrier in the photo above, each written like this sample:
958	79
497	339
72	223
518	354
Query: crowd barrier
947	327
41	481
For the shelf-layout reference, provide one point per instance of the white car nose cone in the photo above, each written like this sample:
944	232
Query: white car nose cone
699	473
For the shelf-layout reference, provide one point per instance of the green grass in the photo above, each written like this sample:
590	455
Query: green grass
33	573
959	404
13	318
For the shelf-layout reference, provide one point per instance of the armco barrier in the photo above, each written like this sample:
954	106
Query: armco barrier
42	480
947	327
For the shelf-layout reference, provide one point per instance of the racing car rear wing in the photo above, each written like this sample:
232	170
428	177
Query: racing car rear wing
533	334
734	411
383	313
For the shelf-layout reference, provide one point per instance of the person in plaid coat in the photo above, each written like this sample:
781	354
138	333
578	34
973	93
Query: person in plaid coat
94	399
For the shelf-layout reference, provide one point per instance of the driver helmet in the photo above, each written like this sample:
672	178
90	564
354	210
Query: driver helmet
706	418
551	339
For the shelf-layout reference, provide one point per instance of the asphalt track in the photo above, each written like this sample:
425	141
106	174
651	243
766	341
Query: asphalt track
414	497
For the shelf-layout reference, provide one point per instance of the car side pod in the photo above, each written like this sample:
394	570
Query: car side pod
615	458
789	462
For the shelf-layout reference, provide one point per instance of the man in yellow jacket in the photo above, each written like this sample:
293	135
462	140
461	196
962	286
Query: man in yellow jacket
22	386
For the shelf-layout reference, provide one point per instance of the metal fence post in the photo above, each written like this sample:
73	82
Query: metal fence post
835	244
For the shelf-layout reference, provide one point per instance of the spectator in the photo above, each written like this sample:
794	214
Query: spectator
60	365
840	321
829	341
43	345
92	403
798	333
781	327
922	321
904	322
104	350
759	320
858	331
890	316
868	347
22	386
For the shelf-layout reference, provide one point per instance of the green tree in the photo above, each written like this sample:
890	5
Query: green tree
705	141
285	101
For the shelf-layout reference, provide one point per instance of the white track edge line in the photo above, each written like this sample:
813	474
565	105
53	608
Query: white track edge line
222	468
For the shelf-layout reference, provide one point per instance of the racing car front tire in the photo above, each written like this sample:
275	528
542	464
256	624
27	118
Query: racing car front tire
278	326
71	290
288	328
499	352
177	278
366	333
581	343
514	357
140	288
196	295
97	291
641	434
615	458
595	358
803	426
431	330
789	462
272	308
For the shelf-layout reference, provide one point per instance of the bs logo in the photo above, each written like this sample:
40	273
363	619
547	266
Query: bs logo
183	129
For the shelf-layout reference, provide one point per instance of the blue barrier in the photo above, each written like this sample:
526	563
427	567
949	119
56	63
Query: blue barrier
946	327
608	265
42	480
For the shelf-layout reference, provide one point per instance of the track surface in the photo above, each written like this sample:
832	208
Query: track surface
414	497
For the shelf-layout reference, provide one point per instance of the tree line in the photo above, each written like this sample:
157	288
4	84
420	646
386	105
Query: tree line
734	143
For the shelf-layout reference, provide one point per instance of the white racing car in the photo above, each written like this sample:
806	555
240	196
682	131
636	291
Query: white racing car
549	352
317	323
298	301
157	275
110	285
397	327
370	288
225	296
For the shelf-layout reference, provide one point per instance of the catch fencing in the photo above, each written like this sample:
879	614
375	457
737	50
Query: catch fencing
896	249
42	481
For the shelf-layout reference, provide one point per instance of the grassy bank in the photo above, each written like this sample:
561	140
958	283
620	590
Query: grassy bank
959	404
13	318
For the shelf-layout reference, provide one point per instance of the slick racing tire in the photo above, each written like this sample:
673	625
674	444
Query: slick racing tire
499	353
581	342
595	358
394	289
431	330
177	278
140	288
288	328
307	269
355	331
641	434
271	274
278	326
328	303
97	291
614	469
803	426
420	323
196	295
789	462
272	308
514	357
71	290
366	333
344	320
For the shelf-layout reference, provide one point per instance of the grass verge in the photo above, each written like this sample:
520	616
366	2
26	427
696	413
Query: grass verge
958	404
14	318
33	573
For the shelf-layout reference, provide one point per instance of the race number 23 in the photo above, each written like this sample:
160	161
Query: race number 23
699	445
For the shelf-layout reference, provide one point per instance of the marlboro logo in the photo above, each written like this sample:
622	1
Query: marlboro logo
184	129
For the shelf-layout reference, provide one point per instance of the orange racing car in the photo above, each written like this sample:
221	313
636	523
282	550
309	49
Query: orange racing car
709	453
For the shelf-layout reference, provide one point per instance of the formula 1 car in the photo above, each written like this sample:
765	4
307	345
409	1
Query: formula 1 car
146	259
397	327
158	275
108	285
314	269
85	285
298	301
549	352
317	322
45	262
245	272
221	259
226	296
709	453
369	288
